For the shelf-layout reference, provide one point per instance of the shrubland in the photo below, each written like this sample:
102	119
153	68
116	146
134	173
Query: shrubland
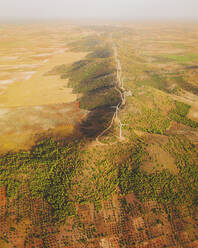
54	171
179	114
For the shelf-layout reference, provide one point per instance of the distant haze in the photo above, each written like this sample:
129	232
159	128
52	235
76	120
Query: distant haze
99	9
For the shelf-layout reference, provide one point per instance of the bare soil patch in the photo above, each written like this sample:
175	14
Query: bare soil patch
160	160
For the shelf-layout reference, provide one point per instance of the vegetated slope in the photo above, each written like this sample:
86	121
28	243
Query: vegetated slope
94	79
151	111
119	195
179	114
47	169
87	43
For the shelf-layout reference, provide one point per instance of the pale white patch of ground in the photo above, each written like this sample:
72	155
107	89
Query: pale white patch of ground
5	67
60	51
29	74
38	108
4	84
42	55
45	61
9	58
18	76
7	82
3	112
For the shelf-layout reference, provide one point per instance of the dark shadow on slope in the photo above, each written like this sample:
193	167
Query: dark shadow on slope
96	121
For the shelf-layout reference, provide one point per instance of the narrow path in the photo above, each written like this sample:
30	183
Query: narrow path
117	88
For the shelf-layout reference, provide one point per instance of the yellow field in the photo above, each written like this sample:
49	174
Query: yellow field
32	103
40	89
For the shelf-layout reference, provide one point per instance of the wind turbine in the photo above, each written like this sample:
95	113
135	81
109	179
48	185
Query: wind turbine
118	77
119	65
121	129
124	97
122	83
117	109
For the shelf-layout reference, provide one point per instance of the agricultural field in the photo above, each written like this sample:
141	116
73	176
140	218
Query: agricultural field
70	176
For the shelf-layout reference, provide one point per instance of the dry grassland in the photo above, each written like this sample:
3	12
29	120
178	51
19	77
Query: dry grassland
31	102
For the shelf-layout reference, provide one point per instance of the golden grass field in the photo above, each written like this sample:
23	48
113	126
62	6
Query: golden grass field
40	89
27	53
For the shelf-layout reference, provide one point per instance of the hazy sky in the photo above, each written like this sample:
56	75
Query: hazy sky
125	9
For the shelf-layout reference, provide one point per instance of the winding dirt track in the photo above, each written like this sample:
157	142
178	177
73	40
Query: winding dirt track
117	88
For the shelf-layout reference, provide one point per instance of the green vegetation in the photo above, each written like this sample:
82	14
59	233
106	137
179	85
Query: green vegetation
182	58
149	120
155	80
87	43
48	169
137	154
59	69
94	79
152	121
160	82
182	149
161	59
100	98
102	52
163	186
165	82
149	115
92	74
179	114
185	85
179	45
103	181
66	175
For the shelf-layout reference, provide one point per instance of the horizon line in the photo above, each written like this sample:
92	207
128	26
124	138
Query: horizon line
98	19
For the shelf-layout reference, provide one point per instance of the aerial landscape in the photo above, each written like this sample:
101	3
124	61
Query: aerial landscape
99	134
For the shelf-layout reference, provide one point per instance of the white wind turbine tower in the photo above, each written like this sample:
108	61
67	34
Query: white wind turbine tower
118	76
122	86
124	98
119	68
121	129
117	109
119	65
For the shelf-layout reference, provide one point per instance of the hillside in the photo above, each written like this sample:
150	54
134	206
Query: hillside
106	186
